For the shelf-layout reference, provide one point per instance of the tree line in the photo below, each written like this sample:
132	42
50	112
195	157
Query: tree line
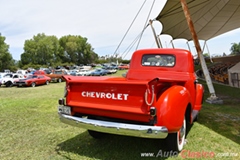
6	60
45	51
50	51
235	49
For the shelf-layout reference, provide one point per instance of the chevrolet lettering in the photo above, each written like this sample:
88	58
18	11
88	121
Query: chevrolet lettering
114	96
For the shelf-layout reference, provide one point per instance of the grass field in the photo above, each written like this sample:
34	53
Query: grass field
30	129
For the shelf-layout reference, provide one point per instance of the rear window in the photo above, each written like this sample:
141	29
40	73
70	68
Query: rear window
158	60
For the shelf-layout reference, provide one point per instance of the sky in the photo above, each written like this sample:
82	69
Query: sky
103	22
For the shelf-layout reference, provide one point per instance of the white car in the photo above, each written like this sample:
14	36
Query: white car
84	72
9	79
2	75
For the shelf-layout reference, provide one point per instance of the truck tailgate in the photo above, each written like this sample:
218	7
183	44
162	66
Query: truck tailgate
107	96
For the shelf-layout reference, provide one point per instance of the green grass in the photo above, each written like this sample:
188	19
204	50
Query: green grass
120	73
224	118
30	129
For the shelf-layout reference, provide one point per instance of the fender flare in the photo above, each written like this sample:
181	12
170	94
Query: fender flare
171	107
199	97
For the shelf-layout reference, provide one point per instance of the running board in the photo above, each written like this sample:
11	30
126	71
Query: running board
195	114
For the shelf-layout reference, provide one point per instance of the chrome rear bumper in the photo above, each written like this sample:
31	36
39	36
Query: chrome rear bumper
158	132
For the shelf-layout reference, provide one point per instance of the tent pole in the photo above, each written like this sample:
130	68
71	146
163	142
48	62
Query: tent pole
172	44
205	45
213	98
188	46
159	40
209	52
155	35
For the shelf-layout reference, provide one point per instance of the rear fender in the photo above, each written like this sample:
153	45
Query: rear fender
171	107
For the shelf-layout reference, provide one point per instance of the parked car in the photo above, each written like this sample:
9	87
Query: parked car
56	75
113	66
84	72
47	70
39	72
123	66
106	66
33	80
25	73
73	72
99	72
112	71
9	78
7	71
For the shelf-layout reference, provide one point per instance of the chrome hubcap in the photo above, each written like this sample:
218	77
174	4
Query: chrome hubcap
182	132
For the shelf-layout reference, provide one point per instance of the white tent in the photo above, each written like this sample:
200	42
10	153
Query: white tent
234	76
210	17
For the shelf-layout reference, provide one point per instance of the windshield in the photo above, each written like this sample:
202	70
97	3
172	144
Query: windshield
8	76
31	77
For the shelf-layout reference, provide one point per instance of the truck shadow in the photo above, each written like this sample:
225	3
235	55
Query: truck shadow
113	147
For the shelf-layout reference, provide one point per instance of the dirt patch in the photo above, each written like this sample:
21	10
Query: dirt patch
223	116
229	99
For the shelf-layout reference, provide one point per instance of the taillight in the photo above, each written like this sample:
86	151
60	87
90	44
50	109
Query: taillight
153	111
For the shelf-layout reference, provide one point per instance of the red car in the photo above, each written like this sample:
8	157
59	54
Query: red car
33	80
123	66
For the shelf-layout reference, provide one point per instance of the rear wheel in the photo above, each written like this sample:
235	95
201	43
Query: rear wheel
59	80
33	84
176	141
9	84
47	82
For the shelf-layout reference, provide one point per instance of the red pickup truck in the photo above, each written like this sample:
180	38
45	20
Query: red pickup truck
159	98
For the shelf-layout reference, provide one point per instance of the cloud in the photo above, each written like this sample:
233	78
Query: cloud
103	22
